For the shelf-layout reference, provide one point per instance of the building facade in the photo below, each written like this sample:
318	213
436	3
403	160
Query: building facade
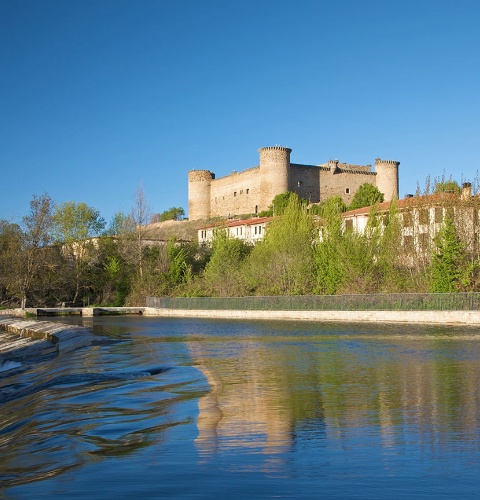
253	190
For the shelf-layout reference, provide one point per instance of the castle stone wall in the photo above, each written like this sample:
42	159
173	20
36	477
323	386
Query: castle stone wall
237	193
253	190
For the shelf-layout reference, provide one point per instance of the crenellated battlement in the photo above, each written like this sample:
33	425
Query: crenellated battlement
391	163
200	175
275	148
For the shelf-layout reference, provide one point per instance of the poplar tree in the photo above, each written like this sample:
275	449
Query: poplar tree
282	263
449	261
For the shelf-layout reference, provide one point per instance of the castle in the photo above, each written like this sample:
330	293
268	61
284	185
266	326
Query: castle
252	191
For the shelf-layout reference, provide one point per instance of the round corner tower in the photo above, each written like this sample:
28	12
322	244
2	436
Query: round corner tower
274	173
199	193
387	178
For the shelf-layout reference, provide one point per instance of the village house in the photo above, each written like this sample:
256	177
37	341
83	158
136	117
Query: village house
249	230
421	219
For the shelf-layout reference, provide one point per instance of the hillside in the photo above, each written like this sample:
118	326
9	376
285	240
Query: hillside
183	230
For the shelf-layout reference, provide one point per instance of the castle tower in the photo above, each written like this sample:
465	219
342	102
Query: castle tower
274	173
387	178
199	194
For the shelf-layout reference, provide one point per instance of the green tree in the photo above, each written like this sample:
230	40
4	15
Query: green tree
328	248
75	227
282	263
447	186
367	195
173	213
334	204
449	261
224	275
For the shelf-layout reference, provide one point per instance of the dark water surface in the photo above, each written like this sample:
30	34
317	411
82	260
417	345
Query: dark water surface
183	408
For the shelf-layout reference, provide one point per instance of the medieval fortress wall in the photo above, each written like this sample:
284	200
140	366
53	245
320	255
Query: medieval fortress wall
252	191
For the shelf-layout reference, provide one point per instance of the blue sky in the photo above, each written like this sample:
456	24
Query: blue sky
99	97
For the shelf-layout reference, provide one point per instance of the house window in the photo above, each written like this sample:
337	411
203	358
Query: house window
438	214
423	216
408	243
423	241
259	229
407	219
349	224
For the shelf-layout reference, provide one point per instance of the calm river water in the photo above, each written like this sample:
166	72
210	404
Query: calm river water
178	408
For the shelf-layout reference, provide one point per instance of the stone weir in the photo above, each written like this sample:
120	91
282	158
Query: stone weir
22	339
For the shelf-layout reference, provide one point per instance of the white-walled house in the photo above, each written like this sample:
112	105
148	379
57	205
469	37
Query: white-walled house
422	217
248	230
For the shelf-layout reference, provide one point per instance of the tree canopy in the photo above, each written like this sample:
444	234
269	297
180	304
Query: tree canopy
366	196
173	213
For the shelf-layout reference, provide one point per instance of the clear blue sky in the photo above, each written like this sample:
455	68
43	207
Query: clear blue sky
97	97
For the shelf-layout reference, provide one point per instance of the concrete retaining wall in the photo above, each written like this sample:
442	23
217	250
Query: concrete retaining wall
423	317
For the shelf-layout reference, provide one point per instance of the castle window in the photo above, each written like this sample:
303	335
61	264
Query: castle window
235	193
248	190
241	191
347	190
299	183
256	209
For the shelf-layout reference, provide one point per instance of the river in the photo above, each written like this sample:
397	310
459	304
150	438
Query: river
177	408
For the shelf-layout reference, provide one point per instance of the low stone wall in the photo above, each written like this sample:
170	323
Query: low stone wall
421	317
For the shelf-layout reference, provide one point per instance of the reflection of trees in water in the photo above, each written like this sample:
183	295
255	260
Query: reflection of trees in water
272	393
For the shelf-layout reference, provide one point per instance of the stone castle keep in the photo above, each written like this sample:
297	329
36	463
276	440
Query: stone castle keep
252	191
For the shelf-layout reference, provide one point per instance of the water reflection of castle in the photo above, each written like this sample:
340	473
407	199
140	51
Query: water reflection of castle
269	399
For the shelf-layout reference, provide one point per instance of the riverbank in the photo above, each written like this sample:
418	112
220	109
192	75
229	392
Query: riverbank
418	317
467	317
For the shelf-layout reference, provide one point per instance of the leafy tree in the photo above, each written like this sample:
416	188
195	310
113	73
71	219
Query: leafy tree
366	196
449	262
282	263
447	186
327	250
325	208
75	227
224	272
173	213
